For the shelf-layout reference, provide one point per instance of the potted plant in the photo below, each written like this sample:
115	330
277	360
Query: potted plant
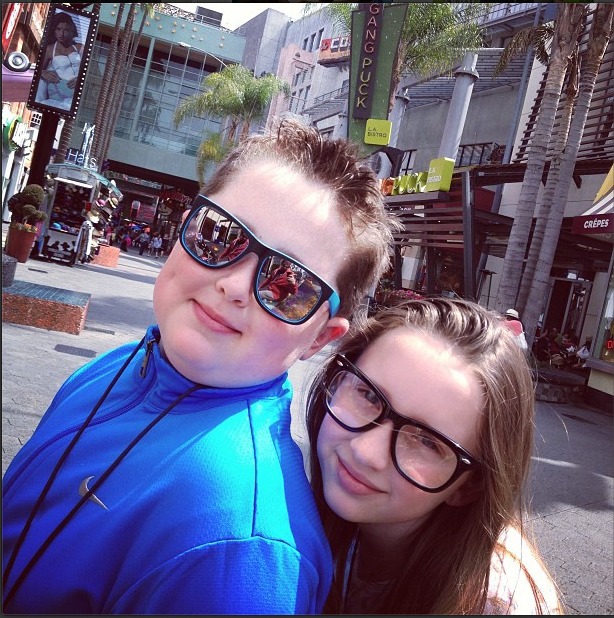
25	213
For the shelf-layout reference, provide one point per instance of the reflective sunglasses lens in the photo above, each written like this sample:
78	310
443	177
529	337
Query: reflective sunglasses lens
287	290
213	238
352	401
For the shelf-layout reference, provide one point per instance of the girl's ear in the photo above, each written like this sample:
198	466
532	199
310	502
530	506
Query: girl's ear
468	492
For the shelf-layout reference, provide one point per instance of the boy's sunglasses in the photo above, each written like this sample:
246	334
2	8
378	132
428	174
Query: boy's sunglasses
283	287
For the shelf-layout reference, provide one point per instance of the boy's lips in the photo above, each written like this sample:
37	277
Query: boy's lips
213	320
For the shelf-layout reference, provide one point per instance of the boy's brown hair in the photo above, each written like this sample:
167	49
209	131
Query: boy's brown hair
336	165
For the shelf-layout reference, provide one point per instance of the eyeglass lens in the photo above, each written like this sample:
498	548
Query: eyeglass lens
420	454
283	287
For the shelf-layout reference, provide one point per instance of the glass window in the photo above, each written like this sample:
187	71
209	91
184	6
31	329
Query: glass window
604	345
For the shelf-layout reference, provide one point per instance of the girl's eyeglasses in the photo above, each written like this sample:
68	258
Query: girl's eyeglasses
422	455
283	287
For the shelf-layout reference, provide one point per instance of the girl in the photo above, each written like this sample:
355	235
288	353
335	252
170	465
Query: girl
421	433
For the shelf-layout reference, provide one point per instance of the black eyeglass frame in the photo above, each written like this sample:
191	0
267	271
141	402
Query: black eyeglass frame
465	461
262	251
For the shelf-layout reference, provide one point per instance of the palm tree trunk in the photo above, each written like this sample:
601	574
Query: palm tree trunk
60	155
121	90
105	87
599	37
543	210
567	30
107	127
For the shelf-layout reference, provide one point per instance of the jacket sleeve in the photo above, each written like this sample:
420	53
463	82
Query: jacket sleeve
253	576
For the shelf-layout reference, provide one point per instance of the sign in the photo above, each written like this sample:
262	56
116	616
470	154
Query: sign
369	50
176	195
334	51
375	36
440	174
78	158
593	224
9	25
14	133
57	84
378	132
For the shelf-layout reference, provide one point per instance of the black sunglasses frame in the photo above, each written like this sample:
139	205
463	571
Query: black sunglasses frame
465	461
263	252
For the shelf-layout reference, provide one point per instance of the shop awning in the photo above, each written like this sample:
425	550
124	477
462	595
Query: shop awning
56	169
16	85
599	218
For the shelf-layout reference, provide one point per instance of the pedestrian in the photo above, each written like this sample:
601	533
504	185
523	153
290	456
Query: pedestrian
194	498
156	245
143	241
512	321
421	437
126	242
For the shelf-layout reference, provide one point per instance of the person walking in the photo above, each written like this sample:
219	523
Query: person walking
512	321
144	239
156	245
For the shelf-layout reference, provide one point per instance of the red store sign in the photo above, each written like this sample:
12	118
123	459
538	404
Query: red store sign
593	224
10	24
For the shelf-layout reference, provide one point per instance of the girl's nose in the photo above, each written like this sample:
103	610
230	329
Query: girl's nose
372	448
236	282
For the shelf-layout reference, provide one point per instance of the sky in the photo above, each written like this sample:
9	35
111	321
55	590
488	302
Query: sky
237	13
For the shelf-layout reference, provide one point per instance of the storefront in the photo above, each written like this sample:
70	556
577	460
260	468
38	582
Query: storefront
599	221
77	213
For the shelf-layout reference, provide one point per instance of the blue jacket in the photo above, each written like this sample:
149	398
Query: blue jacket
210	513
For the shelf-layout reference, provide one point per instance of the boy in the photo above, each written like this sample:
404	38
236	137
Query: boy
163	477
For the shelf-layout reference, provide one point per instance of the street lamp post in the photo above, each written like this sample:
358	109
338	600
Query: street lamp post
188	47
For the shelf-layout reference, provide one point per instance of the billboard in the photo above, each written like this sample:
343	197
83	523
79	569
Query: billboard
334	51
64	54
375	37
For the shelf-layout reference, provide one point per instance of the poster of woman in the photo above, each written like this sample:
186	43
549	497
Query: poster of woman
64	55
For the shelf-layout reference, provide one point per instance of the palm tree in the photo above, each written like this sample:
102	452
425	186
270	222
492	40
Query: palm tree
105	87
233	93
435	35
599	37
566	33
120	89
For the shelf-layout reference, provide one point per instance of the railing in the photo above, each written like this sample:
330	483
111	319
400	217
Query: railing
468	154
502	10
329	96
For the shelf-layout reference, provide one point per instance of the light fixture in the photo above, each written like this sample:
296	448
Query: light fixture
188	46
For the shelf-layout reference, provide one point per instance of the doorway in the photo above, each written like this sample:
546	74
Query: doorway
567	303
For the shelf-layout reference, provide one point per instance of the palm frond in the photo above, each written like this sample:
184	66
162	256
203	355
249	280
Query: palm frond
539	39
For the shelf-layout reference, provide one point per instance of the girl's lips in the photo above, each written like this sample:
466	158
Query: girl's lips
212	320
353	482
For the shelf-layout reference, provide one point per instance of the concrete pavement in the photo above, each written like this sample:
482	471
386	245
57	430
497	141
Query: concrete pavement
572	478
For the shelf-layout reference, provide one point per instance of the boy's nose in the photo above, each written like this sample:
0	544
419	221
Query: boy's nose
236	281
372	448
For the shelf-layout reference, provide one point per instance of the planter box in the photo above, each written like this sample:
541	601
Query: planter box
106	256
19	244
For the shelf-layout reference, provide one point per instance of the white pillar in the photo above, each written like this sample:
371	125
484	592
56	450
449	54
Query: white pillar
466	76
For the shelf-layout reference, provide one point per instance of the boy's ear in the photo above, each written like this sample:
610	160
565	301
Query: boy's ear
468	492
334	329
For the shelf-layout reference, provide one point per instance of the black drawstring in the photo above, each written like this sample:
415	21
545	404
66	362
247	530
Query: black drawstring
90	491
